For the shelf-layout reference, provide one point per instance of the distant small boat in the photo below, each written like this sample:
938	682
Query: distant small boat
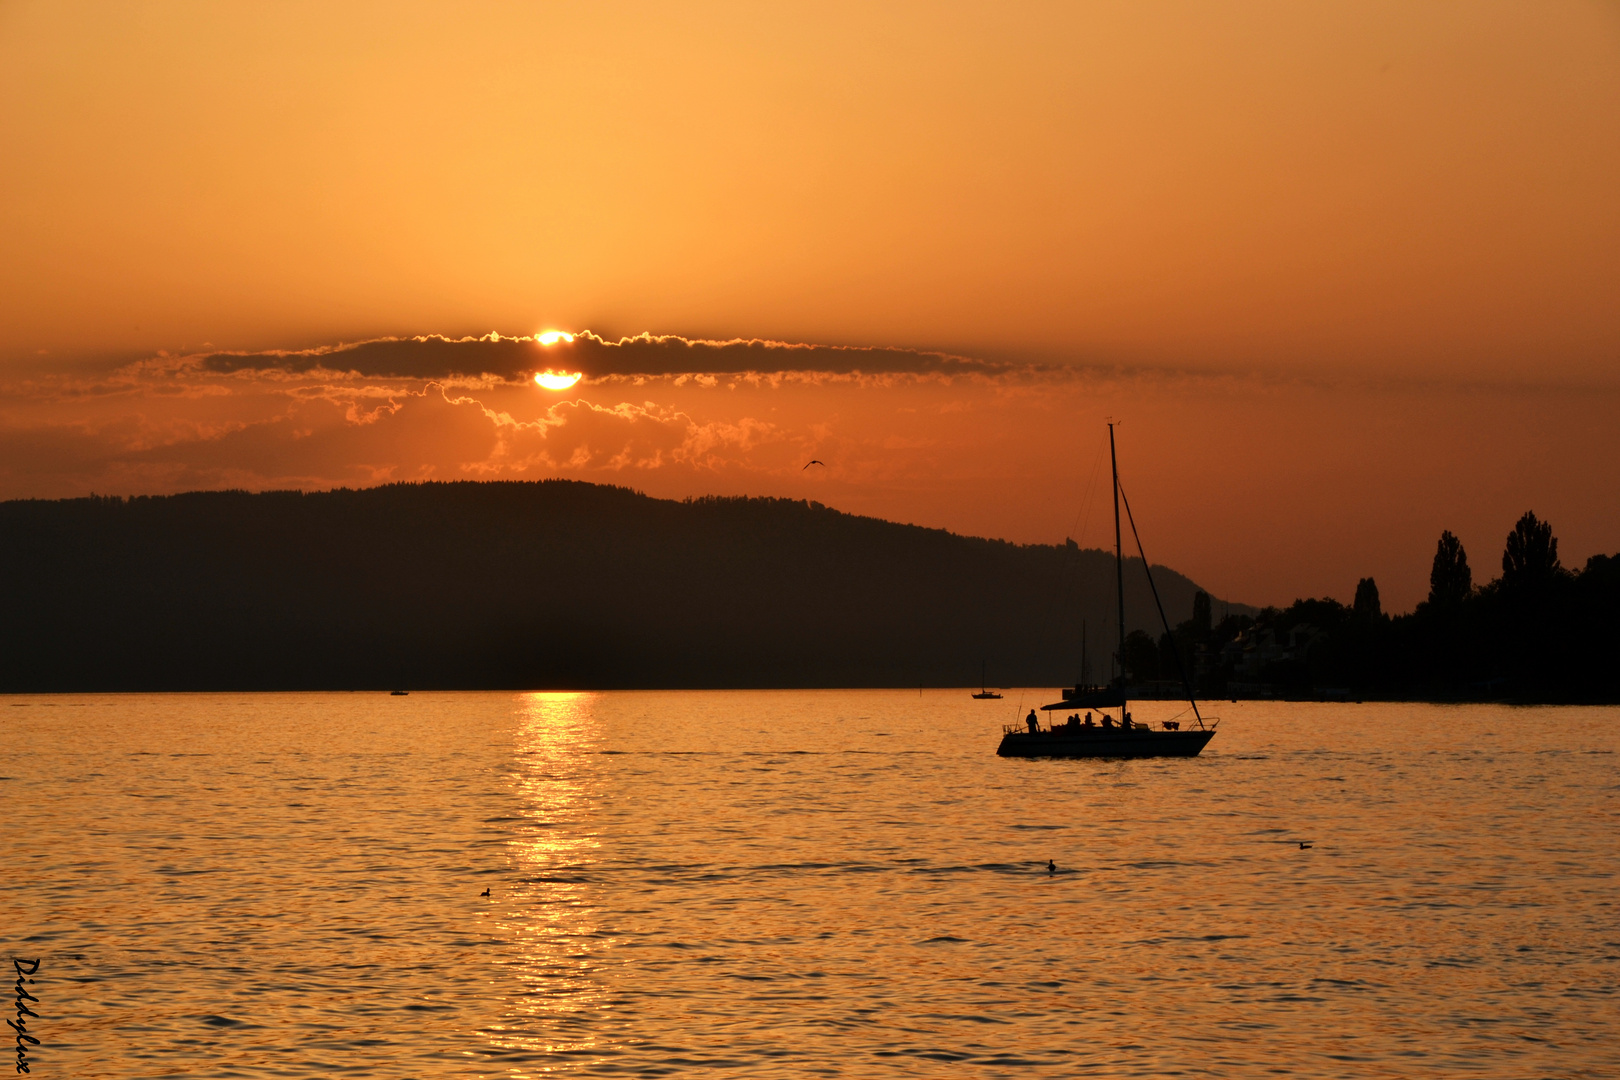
985	694
1125	739
399	693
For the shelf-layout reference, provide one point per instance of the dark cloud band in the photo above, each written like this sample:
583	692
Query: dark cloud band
518	357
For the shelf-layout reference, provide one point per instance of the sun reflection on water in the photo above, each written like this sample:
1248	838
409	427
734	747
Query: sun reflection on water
550	914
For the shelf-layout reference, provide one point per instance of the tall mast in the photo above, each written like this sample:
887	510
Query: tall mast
1119	558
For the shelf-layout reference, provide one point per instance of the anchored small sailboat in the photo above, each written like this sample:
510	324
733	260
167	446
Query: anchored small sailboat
1107	737
985	693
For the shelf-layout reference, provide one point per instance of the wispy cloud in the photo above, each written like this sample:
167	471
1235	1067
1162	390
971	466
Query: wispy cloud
434	356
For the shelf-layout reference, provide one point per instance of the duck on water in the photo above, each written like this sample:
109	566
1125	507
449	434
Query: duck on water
1108	737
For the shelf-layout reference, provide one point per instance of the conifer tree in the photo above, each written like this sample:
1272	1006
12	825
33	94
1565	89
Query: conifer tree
1450	580
1531	556
1367	607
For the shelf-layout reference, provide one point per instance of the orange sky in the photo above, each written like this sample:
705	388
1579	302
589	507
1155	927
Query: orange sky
1348	271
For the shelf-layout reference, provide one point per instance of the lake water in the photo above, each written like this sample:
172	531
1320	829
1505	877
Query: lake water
805	884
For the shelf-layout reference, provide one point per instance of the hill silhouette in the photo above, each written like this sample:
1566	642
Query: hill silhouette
535	585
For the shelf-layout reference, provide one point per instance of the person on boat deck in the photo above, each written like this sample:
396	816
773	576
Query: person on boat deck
1088	721
1125	721
1033	722
1108	721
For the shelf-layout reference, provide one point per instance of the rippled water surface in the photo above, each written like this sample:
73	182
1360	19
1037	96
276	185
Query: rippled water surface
800	884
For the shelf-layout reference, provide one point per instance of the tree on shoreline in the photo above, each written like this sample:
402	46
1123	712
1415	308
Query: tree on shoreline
1450	580
1531	556
1538	633
1367	606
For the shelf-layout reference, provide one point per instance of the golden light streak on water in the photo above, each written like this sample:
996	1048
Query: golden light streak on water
549	911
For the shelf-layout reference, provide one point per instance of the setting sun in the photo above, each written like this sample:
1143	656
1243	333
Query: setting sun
551	337
558	380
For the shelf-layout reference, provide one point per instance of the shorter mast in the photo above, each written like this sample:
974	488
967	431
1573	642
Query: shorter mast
1084	678
1119	558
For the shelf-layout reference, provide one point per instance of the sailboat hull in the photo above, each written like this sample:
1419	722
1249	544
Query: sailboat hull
1104	743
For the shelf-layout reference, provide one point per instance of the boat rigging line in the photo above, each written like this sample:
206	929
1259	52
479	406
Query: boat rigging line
1175	649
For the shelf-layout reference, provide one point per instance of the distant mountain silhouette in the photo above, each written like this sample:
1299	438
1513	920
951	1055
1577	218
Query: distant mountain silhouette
552	584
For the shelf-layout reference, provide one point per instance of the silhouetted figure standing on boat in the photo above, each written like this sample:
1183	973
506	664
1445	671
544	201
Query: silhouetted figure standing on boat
1033	722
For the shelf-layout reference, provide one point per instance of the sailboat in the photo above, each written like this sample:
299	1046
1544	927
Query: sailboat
985	693
1108	736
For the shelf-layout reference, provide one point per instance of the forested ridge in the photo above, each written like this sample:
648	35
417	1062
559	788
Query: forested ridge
549	584
558	584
